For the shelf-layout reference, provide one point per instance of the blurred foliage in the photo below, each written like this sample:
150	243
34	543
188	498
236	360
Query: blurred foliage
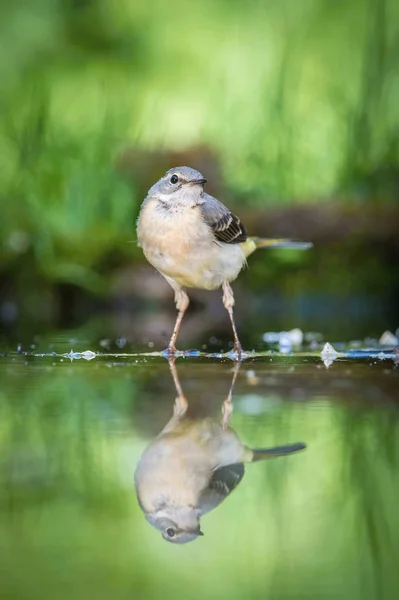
296	101
317	525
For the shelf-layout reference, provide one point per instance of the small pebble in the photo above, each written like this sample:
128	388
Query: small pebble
328	354
388	339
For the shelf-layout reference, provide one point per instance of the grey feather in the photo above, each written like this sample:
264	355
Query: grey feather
223	481
226	227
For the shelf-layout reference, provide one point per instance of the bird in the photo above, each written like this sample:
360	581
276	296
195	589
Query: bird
193	466
195	241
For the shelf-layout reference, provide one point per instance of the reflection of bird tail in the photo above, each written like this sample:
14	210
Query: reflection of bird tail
264	453
254	243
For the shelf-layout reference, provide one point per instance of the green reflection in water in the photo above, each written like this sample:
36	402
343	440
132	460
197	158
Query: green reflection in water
320	525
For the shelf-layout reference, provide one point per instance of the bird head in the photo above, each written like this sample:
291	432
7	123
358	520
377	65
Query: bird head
178	184
178	525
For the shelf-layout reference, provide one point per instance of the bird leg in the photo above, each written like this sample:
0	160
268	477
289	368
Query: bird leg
181	404
228	301
182	301
227	407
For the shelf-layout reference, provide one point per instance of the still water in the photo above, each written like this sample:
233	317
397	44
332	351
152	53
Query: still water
322	522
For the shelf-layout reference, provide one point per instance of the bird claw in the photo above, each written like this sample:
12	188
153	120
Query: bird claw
170	352
237	353
238	349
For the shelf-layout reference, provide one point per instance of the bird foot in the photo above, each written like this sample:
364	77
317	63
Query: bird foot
170	352
238	351
238	348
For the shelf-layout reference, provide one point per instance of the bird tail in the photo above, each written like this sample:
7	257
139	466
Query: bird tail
280	243
264	453
254	243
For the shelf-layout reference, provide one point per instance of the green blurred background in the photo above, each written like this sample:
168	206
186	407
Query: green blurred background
289	108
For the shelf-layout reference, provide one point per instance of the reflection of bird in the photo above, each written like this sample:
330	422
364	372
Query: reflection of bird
191	467
195	241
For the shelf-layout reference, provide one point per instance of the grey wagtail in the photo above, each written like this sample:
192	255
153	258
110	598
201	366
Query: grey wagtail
194	241
192	467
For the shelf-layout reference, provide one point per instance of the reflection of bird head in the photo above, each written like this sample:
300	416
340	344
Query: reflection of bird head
191	467
178	524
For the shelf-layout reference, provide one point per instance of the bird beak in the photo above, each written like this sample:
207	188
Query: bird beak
200	532
198	181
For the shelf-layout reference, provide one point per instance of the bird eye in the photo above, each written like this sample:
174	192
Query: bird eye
170	532
174	179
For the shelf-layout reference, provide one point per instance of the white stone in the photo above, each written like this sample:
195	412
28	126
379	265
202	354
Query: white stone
328	354
388	339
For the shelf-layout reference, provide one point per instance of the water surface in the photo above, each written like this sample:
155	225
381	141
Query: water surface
322	523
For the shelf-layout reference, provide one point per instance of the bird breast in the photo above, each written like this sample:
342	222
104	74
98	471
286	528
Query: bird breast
179	244
170	473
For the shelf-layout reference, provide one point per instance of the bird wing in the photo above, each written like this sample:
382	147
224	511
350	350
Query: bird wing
223	481
226	227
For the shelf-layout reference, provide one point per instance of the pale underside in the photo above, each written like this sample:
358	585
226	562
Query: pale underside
184	252
179	464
